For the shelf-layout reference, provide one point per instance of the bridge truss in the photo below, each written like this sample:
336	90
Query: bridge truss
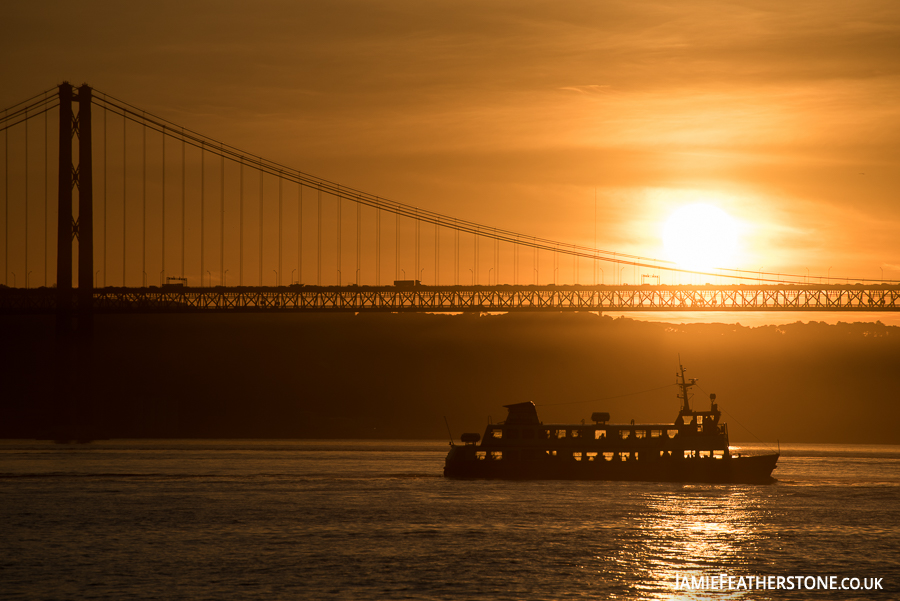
456	299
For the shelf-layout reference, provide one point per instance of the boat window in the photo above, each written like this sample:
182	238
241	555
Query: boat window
574	433
608	456
705	454
623	434
512	433
599	434
528	433
496	455
655	433
640	433
576	456
688	454
560	434
497	433
699	420
718	454
480	455
591	455
672	433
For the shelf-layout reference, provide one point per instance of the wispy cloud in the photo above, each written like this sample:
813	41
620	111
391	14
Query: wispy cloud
588	89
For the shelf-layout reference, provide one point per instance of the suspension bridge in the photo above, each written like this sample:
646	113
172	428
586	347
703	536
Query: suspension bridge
153	217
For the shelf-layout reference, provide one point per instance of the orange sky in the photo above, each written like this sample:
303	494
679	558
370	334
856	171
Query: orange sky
513	113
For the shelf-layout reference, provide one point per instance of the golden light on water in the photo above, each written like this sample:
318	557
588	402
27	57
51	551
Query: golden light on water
693	532
701	237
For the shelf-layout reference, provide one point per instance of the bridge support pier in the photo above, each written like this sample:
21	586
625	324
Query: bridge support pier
74	353
64	215
73	176
85	223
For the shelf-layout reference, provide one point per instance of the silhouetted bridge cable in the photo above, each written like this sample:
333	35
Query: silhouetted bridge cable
167	204
36	107
416	214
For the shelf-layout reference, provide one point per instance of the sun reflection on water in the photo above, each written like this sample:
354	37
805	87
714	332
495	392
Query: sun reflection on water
696	531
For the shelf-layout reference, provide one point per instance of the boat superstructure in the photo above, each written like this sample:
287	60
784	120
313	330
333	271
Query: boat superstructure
694	448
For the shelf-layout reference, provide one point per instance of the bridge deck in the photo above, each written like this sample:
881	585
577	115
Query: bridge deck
858	297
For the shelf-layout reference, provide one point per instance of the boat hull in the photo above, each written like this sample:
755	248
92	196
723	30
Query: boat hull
462	462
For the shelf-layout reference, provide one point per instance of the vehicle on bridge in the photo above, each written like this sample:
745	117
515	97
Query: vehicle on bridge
694	448
407	283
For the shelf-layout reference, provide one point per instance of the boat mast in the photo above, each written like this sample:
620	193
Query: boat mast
684	384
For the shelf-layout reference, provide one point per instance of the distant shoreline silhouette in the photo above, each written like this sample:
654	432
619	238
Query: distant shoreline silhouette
396	376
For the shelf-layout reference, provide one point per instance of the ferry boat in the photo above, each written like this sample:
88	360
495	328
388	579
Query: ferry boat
692	449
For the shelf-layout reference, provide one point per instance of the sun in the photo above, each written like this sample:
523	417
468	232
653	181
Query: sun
700	237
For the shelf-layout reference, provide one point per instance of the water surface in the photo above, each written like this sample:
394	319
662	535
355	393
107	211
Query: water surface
376	520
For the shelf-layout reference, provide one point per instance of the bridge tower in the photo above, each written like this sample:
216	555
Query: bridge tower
73	176
73	415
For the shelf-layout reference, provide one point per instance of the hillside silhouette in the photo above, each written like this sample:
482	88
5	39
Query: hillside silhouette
397	376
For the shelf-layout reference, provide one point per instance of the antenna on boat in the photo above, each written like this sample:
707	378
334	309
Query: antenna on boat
685	386
448	430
